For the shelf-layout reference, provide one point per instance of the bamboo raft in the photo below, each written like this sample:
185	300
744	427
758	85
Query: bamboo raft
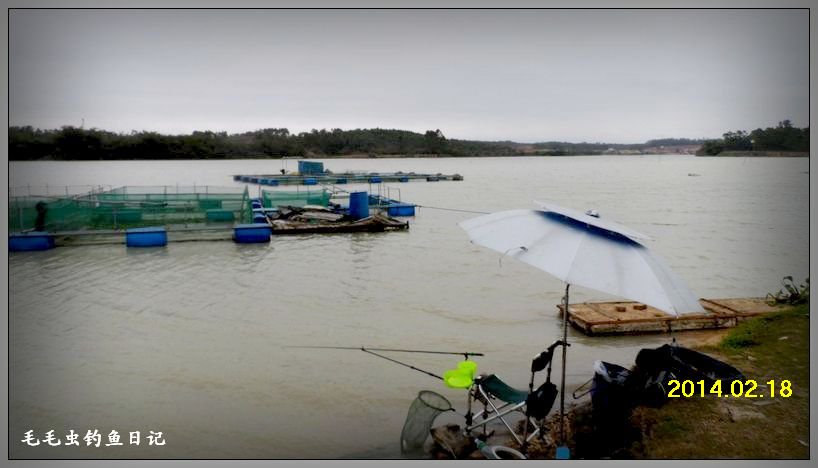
622	318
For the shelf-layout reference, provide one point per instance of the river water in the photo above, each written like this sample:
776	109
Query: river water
190	339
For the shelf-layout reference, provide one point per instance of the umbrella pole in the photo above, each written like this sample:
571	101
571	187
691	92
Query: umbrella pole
564	350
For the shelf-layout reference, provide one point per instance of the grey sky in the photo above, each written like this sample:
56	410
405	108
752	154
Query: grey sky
524	75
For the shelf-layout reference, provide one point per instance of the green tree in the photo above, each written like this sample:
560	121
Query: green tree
76	143
435	141
738	141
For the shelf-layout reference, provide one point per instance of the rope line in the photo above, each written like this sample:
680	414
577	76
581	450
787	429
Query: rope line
451	209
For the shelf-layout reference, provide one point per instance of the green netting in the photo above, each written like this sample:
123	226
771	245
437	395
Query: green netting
128	207
62	214
291	198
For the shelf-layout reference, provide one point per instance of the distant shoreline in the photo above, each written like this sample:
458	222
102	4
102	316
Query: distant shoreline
348	156
761	154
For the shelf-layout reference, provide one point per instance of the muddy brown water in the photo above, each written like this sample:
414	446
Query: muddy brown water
189	339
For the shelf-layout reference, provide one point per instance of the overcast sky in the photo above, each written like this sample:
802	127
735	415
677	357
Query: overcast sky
523	75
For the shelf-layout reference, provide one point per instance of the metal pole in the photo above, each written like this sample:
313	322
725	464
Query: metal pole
564	350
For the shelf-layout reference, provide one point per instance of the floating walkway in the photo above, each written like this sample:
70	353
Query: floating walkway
622	318
313	173
274	180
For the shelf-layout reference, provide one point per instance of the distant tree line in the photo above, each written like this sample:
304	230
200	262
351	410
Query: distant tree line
73	143
27	143
783	137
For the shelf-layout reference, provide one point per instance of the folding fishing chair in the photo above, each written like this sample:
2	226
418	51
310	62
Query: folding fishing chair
534	405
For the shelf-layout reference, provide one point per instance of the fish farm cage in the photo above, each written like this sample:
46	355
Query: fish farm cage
300	198
131	207
152	216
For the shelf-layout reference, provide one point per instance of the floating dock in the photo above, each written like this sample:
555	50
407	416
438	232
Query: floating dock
313	173
274	180
622	318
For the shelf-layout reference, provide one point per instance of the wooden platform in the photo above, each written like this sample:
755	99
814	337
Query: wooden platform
620	318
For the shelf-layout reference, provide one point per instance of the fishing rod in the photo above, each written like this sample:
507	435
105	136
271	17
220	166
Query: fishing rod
372	352
364	348
402	363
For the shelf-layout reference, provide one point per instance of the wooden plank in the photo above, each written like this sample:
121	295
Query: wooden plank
586	313
748	305
598	309
714	302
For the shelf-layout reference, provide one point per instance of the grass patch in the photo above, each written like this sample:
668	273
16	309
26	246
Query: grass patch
773	347
747	334
756	331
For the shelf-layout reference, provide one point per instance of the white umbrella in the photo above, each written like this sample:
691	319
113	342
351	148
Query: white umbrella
585	250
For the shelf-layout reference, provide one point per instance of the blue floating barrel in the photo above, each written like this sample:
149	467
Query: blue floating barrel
272	182
341	180
253	180
400	209
146	237
432	179
251	233
359	205
403	179
256	204
310	181
259	218
30	241
375	180
245	178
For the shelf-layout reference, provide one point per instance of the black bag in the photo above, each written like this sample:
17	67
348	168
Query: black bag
539	402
